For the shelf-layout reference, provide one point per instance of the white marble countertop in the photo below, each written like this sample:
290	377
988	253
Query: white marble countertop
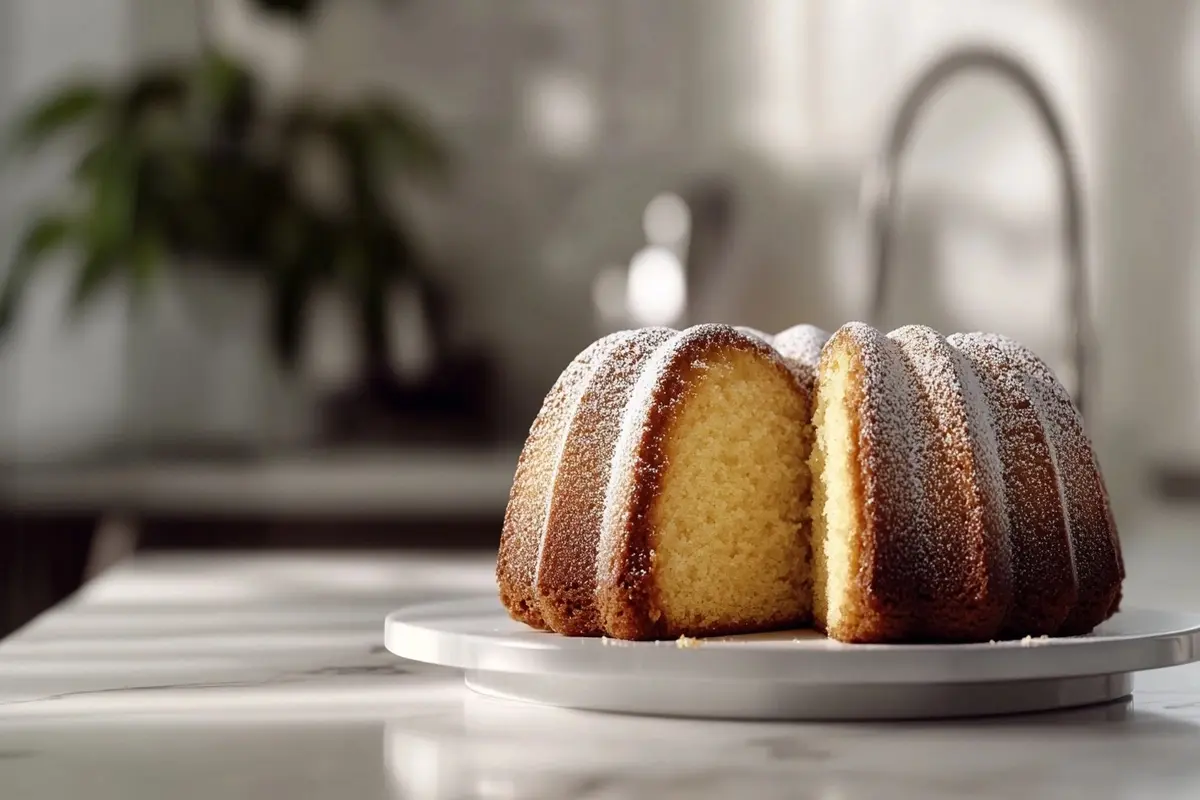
261	677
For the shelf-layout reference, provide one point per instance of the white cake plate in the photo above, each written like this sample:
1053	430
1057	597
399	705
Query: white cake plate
789	675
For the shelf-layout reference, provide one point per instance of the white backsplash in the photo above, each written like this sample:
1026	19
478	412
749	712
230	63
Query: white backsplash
677	87
62	381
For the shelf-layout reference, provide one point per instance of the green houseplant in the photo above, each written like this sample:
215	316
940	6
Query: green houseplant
190	163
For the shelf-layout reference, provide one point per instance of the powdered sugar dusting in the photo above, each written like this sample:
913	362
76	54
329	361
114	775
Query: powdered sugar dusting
566	564
982	482
529	499
965	541
801	347
755	332
802	343
962	438
892	455
1044	576
599	353
1094	540
629	467
625	458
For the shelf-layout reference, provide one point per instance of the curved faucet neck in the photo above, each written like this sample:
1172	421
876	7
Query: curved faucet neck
881	189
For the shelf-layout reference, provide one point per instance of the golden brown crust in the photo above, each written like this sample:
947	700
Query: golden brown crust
1095	544
930	528
629	608
566	572
1044	583
625	595
529	497
933	551
972	562
1096	550
627	603
879	610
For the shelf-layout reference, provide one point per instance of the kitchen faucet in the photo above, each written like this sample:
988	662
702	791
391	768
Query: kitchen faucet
880	189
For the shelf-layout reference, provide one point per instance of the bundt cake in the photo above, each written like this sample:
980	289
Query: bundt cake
662	490
955	494
886	488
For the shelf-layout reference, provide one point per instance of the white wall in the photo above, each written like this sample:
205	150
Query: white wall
785	98
1145	228
8	413
63	383
789	100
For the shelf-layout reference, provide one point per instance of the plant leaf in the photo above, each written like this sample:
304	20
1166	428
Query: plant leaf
49	233
403	135
98	162
146	254
97	269
293	287
151	90
227	97
68	107
111	217
45	235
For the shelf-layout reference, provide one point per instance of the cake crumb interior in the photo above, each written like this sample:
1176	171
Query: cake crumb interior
728	543
835	515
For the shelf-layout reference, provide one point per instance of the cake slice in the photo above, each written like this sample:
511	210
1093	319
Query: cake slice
956	495
910	528
703	526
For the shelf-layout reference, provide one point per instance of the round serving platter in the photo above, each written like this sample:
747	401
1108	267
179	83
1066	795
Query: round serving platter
797	675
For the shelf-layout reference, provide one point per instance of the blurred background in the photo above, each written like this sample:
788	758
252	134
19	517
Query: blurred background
298	273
